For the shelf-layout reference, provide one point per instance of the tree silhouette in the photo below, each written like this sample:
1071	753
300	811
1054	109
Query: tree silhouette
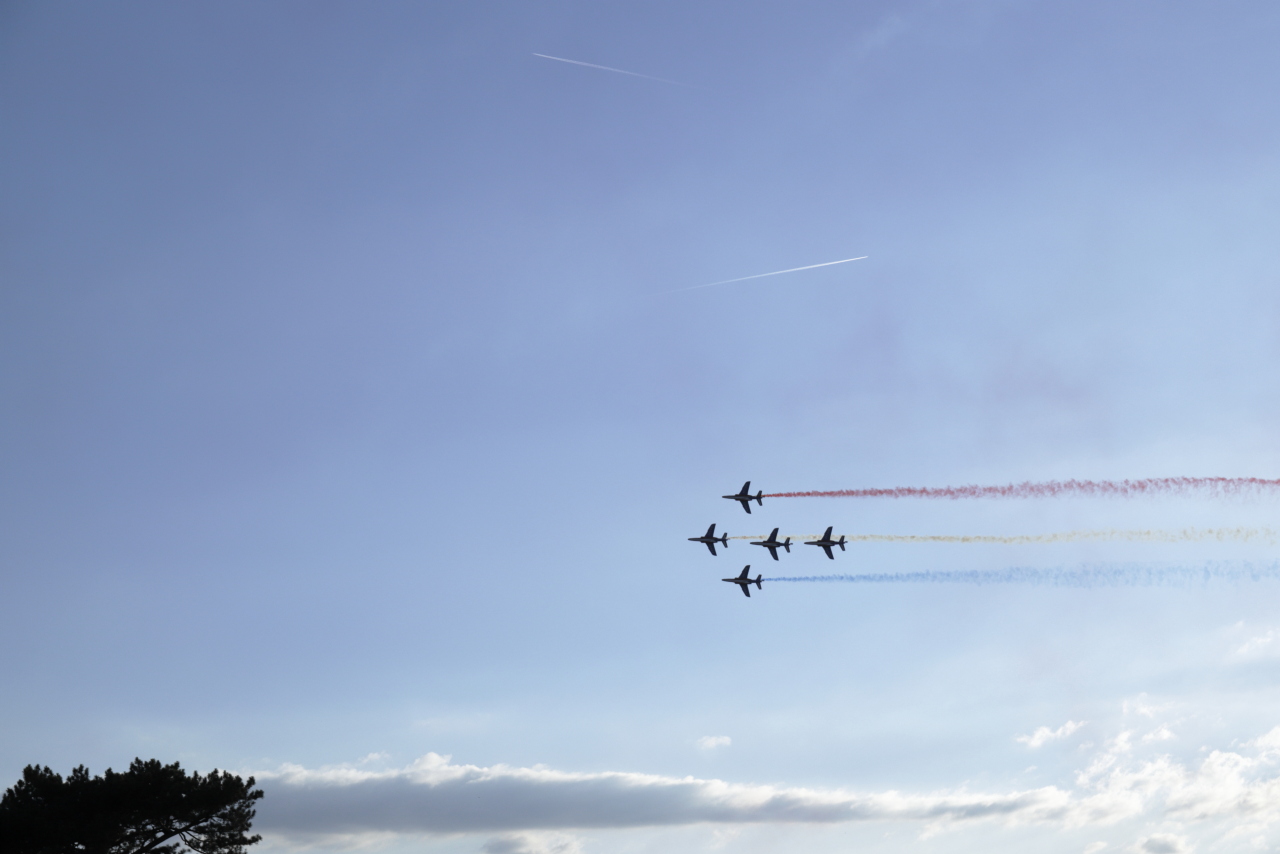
149	809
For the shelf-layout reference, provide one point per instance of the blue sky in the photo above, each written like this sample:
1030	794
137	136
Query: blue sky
352	430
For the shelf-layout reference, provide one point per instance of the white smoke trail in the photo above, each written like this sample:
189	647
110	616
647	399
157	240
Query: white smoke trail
1183	535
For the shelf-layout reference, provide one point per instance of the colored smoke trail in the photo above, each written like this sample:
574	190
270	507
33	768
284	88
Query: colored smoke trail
1124	575
1185	535
1212	486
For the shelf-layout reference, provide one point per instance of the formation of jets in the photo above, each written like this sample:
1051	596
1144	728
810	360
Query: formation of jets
772	543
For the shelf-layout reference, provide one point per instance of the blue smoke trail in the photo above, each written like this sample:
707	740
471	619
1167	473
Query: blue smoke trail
1099	575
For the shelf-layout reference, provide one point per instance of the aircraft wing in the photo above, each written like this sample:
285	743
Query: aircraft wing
827	549
773	550
712	546
747	505
745	591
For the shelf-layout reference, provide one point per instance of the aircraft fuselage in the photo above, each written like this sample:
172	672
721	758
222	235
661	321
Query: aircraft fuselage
744	581
746	497
826	543
773	545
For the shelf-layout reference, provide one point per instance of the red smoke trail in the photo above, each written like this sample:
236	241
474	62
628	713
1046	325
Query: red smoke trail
1216	486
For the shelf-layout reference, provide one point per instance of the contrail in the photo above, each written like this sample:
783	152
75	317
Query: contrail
774	273
1184	535
1212	486
1104	575
607	68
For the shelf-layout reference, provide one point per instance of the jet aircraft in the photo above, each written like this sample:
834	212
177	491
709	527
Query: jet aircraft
746	581
773	545
711	539
826	542
746	497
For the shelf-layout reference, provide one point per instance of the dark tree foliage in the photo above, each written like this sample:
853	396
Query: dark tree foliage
149	809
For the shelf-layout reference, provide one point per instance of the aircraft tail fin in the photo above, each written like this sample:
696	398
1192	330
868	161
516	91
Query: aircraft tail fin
759	580
787	545
760	498
841	543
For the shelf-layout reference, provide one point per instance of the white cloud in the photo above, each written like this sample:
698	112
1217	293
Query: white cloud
1043	734
1160	733
434	795
1258	646
711	742
1142	705
1094	847
1267	745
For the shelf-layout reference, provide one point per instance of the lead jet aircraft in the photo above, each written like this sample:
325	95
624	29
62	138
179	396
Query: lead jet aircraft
746	497
773	545
826	542
746	581
711	539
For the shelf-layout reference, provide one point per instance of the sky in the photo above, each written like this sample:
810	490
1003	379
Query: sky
359	396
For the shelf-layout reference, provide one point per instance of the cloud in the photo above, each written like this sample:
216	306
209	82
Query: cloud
711	742
1142	705
1258	646
434	795
532	843
1164	843
1043	734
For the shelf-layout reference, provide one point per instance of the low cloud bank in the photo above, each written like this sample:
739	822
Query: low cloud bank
433	795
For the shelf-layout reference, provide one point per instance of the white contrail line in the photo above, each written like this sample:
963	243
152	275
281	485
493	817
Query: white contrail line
607	68
774	273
